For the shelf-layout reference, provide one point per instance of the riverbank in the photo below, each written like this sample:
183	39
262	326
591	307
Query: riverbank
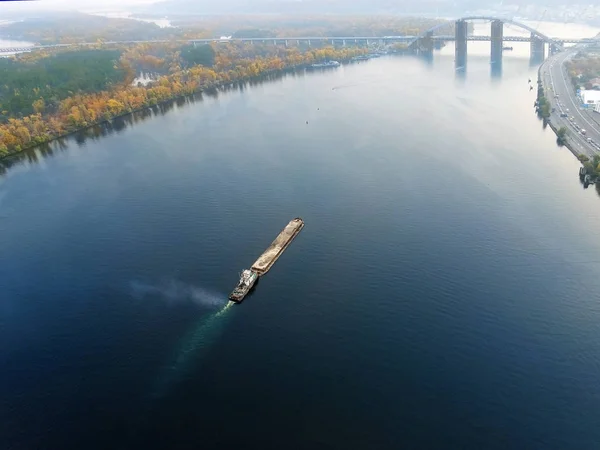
211	89
566	142
83	111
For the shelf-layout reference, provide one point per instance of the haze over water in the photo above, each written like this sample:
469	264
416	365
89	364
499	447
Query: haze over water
443	293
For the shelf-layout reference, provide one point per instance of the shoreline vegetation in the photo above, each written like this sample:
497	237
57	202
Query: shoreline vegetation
590	167
182	71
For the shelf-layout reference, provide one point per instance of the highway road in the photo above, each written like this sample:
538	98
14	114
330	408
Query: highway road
556	83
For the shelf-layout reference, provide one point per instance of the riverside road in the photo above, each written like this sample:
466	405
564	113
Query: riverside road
556	83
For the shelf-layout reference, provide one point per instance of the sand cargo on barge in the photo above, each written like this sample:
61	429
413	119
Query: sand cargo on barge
267	259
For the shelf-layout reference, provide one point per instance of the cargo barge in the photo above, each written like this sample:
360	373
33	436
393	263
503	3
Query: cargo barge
266	260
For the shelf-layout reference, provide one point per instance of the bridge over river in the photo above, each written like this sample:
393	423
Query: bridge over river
424	43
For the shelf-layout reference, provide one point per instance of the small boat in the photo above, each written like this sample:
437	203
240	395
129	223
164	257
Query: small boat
247	280
507	48
325	64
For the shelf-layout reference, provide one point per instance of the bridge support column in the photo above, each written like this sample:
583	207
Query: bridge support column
497	37
426	44
460	52
538	50
555	49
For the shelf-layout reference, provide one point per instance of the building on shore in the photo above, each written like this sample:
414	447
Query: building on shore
590	99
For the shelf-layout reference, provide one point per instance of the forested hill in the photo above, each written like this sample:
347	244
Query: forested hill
76	27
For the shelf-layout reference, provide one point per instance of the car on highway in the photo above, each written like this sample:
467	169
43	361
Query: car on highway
563	115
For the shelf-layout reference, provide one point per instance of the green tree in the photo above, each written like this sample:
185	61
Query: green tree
561	134
202	54
543	108
589	168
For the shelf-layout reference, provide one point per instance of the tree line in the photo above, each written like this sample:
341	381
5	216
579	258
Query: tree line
583	70
68	28
227	63
28	87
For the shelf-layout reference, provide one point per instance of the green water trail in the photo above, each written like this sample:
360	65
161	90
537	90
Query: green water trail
194	345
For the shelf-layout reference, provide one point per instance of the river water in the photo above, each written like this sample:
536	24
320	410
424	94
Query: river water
443	294
7	44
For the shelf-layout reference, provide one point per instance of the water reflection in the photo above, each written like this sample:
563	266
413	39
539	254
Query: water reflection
120	124
496	69
460	71
427	57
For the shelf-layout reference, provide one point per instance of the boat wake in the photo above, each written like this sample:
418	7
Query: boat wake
193	346
199	339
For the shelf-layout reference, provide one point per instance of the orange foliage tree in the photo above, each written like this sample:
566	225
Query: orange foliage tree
233	62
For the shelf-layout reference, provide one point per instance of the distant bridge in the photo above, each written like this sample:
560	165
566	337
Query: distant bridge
420	43
308	40
425	42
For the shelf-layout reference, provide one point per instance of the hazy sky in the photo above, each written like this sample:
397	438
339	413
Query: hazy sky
80	5
439	7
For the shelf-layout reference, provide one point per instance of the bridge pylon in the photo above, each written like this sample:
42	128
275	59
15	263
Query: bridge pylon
556	48
426	43
538	49
461	31
497	37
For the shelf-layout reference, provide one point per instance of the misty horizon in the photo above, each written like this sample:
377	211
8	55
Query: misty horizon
555	10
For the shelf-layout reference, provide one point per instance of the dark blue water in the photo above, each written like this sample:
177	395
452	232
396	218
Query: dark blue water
443	294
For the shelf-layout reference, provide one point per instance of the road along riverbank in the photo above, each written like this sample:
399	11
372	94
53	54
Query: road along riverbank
583	136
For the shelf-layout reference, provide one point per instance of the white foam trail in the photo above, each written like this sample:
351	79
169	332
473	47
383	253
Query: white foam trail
174	291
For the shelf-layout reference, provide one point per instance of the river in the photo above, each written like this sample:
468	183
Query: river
443	293
6	44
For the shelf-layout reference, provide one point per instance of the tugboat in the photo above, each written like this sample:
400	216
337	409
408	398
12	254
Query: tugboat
247	279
